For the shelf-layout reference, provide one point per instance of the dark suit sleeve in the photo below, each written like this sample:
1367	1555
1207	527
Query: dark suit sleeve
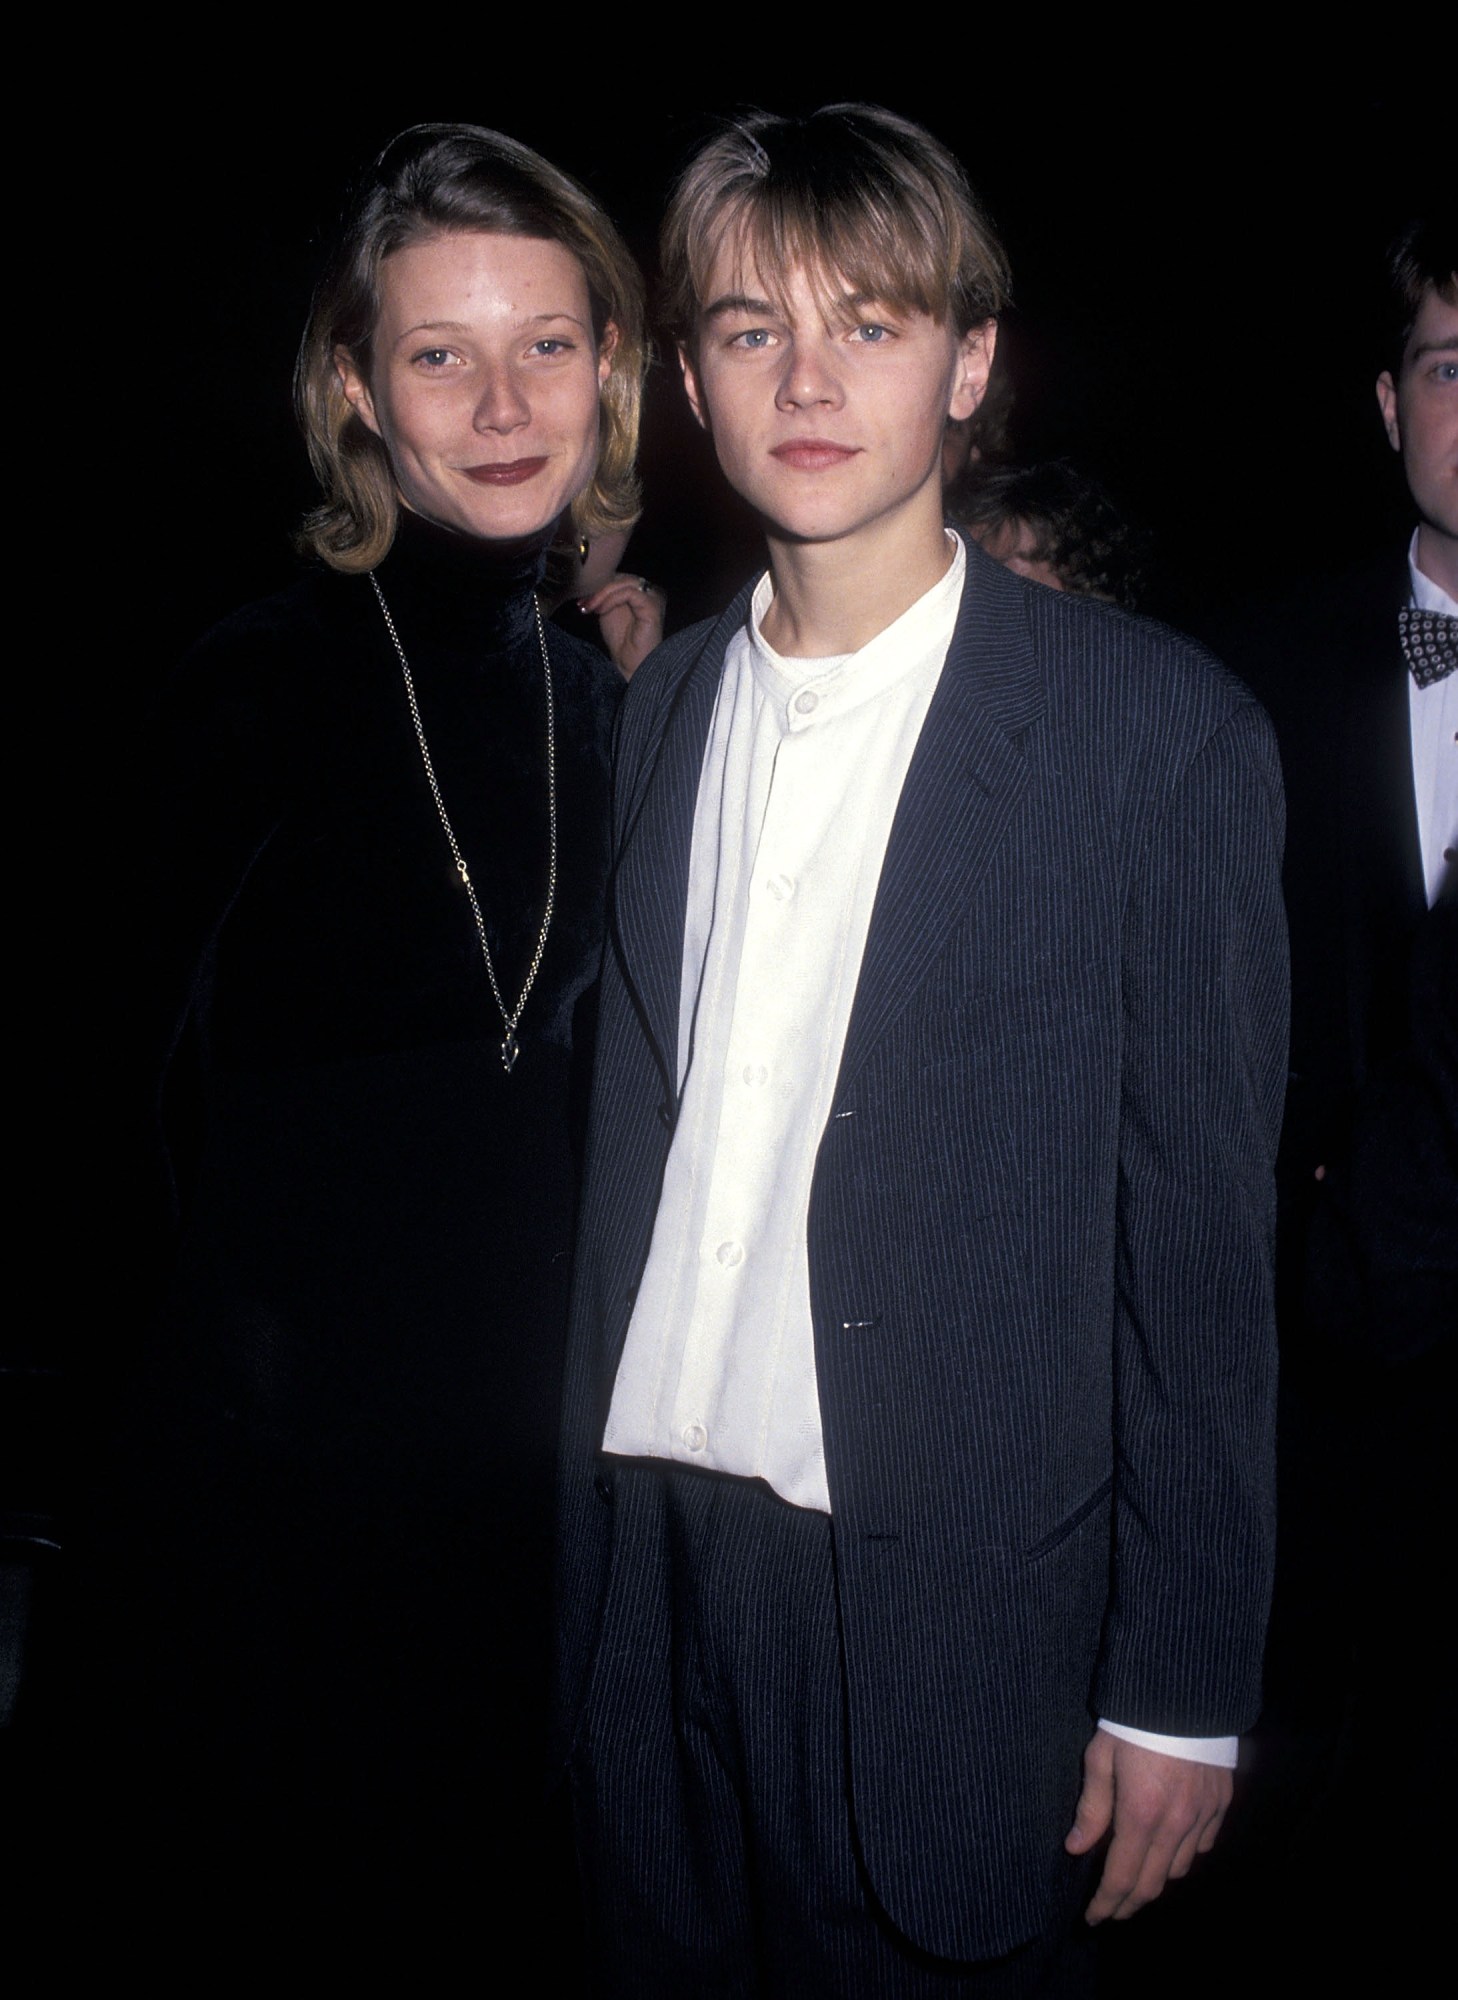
1205	1005
1382	1260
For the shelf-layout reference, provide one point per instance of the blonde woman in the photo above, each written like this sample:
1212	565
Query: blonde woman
384	853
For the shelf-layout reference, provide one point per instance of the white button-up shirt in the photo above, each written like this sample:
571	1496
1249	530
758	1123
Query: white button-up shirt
801	779
1433	714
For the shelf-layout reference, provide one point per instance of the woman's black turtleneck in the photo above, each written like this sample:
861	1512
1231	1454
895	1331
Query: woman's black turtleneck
348	931
338	1450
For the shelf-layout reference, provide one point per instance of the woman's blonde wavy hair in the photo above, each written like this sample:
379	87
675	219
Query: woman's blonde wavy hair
435	180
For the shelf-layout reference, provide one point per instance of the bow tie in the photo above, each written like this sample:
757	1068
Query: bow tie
1429	643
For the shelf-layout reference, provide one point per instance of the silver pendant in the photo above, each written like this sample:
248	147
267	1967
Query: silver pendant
510	1048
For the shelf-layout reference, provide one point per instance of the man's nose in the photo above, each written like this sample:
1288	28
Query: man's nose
810	376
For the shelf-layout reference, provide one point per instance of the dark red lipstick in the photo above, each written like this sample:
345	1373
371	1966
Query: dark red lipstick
511	472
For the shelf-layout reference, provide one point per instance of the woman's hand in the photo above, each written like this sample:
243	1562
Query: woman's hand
629	612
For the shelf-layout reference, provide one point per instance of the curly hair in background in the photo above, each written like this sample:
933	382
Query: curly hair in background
1054	523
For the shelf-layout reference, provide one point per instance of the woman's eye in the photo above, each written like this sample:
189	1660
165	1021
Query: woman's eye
552	345
434	357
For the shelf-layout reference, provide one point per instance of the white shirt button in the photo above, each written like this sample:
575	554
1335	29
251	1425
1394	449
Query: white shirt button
806	702
730	1253
695	1436
781	887
755	1073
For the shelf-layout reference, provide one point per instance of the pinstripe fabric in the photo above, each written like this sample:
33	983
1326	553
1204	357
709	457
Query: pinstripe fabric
1039	1229
710	1784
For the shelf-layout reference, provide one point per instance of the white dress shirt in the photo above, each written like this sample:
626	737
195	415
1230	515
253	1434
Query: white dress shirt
801	778
1433	715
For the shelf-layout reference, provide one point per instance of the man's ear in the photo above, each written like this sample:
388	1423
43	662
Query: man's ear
1387	403
693	389
974	363
356	389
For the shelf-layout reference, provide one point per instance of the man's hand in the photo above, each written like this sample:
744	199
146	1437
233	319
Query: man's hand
1164	1811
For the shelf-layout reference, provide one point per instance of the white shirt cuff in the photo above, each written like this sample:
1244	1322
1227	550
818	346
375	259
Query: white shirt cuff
1219	1750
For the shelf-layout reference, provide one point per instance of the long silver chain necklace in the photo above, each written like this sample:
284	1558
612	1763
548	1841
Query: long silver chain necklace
510	1047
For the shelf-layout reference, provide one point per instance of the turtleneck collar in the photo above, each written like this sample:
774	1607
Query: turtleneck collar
446	587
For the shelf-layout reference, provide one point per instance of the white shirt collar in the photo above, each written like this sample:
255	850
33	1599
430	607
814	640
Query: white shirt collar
847	679
1427	595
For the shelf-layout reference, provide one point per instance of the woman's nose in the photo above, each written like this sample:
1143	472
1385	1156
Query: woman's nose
501	406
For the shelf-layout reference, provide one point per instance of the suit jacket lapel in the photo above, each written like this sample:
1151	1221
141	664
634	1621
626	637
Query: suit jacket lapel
965	780
655	838
1381	854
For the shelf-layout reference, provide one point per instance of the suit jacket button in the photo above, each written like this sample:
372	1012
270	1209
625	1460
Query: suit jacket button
602	1486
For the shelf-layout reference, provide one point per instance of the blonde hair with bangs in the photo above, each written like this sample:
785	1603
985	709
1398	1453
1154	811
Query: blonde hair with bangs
436	180
854	196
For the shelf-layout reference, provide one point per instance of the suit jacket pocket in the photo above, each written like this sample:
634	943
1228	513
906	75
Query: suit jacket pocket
1071	1523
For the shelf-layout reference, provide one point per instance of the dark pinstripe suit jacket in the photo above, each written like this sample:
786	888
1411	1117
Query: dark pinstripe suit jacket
1040	1228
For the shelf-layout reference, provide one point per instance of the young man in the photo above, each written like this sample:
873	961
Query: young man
1356	670
919	1409
1418	397
1358	667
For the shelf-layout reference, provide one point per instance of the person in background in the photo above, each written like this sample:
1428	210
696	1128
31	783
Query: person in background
1356	672
1358	669
1054	525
